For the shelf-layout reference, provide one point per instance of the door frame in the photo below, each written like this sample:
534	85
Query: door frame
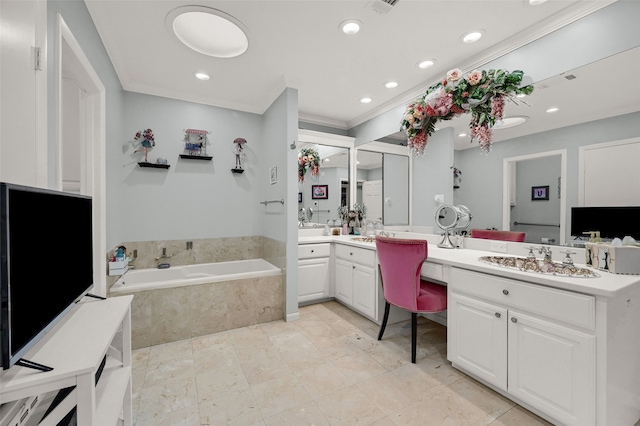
69	55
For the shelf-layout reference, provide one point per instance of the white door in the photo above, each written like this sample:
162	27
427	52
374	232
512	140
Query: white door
552	368
477	338
344	281
364	290
372	199
313	279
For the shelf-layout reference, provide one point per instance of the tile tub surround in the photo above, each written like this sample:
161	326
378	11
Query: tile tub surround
205	250
171	314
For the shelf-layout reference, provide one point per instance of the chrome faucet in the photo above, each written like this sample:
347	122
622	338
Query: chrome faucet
164	254
547	253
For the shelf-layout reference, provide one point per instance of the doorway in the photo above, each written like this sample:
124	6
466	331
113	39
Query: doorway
80	138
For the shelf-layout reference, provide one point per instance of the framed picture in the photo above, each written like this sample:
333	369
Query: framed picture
273	175
299	197
319	192
539	193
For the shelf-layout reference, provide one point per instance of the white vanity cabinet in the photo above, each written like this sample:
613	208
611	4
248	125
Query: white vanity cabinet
535	343
356	279
314	272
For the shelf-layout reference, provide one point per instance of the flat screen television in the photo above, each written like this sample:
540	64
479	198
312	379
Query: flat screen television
611	222
46	264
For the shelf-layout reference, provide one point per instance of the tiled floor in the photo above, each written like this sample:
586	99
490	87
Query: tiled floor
328	368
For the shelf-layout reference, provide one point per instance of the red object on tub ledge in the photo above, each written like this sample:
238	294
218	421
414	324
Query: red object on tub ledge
489	234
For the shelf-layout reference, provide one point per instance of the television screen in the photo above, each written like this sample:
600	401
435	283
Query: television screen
611	222
46	262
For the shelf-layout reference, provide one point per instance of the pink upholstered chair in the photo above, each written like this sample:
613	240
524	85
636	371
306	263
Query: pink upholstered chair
400	262
492	234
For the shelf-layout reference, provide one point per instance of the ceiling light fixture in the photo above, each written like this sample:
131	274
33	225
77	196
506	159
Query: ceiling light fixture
472	36
208	31
462	135
391	85
365	100
552	109
350	26
536	2
507	122
427	63
202	76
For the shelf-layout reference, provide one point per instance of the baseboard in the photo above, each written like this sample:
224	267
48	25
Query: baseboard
293	317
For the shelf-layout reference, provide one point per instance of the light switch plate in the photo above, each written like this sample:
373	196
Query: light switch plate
499	246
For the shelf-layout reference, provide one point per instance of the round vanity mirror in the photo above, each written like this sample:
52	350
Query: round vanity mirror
450	218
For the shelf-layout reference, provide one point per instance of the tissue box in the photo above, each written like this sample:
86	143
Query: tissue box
118	268
614	259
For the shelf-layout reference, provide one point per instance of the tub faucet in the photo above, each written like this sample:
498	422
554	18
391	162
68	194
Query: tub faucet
547	253
164	254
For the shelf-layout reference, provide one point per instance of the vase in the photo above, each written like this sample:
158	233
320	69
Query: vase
345	229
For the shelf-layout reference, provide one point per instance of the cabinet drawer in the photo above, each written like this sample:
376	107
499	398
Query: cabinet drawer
354	254
432	271
569	307
309	251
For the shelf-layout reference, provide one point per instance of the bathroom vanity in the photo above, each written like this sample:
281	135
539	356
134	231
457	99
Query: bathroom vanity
565	348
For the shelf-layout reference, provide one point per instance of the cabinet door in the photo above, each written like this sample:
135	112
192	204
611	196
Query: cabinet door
477	338
364	290
344	281
313	279
552	368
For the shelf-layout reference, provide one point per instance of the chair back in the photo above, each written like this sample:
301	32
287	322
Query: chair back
400	264
490	234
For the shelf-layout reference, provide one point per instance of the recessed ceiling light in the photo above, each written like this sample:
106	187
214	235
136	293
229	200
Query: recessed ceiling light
472	36
462	135
365	100
326	160
428	63
202	76
552	109
391	85
536	2
507	122
350	26
208	31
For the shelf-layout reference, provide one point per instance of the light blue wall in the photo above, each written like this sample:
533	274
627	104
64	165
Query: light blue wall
481	186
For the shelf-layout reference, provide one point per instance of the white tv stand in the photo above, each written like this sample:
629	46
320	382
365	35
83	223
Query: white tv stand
75	348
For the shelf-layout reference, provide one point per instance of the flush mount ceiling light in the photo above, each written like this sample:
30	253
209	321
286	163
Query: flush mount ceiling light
350	26
536	2
391	85
472	36
208	31
428	63
202	76
552	110
462	135
507	122
365	100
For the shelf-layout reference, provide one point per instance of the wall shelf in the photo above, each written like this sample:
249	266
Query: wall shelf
196	157
153	165
237	170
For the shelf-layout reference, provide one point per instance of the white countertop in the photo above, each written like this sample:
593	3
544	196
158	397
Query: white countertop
607	284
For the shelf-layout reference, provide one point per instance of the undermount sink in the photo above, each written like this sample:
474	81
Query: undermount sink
539	266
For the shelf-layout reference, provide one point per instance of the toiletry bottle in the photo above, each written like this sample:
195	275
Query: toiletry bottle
598	239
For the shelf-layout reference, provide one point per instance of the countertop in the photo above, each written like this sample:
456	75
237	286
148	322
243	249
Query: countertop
606	285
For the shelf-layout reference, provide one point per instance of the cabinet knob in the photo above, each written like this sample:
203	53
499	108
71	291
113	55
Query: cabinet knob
514	319
353	267
498	315
505	292
312	251
350	254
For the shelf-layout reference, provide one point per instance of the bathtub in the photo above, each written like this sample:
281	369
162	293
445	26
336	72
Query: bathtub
179	276
184	302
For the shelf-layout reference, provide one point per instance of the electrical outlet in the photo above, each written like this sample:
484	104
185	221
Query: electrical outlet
499	246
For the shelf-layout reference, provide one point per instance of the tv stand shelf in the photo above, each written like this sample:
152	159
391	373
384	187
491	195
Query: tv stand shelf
75	348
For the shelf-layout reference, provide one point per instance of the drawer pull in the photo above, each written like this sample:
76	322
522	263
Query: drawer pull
505	292
514	320
498	315
353	267
312	251
350	254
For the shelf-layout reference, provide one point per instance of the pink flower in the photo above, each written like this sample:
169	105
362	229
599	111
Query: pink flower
474	77
454	75
484	135
497	107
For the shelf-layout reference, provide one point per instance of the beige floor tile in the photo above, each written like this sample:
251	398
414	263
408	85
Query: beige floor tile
388	392
291	340
189	416
518	416
348	407
304	415
220	381
278	395
340	347
169	395
265	369
323	379
278	327
479	402
303	357
213	357
174	351
205	341
237	408
168	370
359	367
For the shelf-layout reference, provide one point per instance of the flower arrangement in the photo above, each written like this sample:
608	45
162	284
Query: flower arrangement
308	159
343	214
481	93
358	212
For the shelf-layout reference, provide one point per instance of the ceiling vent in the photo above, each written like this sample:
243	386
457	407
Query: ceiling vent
570	77
382	6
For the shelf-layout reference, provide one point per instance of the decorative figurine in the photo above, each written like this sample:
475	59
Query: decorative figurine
147	142
195	142
239	152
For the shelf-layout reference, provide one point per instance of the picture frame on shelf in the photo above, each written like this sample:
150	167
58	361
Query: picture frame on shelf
319	192
539	193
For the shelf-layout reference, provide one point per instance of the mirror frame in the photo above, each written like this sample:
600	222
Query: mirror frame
506	188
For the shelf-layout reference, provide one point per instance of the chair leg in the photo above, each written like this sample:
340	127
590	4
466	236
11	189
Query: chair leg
414	334
384	320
